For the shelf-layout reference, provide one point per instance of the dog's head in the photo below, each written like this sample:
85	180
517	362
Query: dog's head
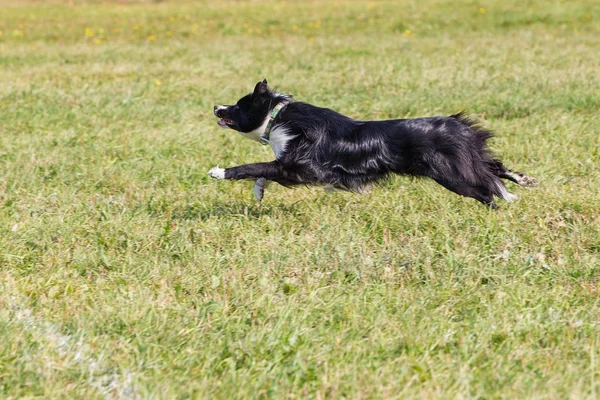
250	114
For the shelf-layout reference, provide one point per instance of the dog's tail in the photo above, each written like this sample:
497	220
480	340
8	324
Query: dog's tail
488	175
481	134
502	192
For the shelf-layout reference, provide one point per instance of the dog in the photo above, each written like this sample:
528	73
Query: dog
318	146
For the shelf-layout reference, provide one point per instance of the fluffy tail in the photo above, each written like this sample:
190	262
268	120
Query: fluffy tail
492	168
502	192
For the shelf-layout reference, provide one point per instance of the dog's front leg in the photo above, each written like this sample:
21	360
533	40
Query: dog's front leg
271	171
262	172
259	188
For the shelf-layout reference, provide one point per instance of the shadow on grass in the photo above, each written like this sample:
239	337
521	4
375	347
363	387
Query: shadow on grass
232	209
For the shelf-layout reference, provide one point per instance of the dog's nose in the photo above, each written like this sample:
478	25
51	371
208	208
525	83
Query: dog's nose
218	110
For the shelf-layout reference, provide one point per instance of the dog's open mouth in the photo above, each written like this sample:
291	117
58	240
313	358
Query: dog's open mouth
224	122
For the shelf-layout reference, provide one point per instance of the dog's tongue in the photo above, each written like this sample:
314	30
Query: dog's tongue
223	122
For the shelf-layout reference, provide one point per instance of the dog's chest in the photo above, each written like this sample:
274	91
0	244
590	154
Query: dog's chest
278	140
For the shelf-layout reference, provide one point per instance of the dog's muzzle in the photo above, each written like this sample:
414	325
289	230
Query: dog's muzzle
221	112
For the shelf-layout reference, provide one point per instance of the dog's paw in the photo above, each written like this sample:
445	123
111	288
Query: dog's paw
217	173
259	188
527	181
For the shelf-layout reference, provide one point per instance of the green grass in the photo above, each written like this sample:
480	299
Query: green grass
126	272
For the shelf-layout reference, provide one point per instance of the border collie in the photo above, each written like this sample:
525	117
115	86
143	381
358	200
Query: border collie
314	145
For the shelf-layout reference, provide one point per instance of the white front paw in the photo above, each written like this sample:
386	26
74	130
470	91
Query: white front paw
217	173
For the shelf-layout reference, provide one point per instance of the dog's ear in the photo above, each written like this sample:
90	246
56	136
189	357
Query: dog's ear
261	88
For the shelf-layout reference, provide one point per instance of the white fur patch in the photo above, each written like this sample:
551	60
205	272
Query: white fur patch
505	194
279	139
217	173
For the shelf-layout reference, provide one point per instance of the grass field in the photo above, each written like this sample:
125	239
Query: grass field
126	272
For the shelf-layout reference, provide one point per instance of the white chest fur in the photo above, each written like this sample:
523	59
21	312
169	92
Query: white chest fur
278	139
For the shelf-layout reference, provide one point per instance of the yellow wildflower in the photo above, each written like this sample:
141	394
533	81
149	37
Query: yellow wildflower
151	38
295	27
157	82
371	5
407	32
482	10
89	32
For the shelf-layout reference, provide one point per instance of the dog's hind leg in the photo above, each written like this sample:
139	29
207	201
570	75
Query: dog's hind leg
517	177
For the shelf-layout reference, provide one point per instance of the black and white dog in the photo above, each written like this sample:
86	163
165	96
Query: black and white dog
316	145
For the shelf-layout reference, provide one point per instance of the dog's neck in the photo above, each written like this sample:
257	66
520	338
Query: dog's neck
266	135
